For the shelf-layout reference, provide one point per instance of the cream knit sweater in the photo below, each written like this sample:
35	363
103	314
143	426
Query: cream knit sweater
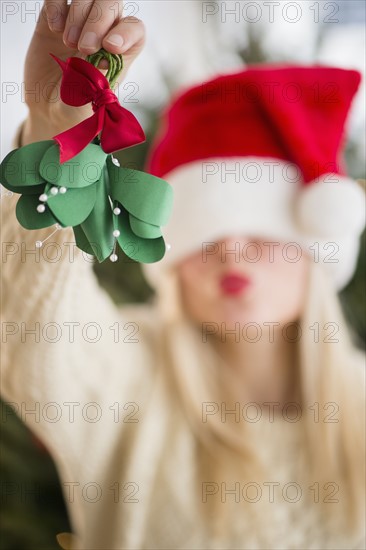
125	452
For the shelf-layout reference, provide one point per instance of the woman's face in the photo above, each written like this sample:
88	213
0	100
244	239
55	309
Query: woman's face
245	280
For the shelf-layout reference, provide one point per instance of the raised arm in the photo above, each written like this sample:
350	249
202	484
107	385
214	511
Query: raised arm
64	343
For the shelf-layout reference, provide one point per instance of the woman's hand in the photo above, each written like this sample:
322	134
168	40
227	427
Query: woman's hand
80	29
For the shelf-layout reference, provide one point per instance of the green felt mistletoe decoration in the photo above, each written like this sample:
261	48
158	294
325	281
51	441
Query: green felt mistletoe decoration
64	184
104	203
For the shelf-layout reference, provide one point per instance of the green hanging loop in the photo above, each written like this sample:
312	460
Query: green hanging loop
115	64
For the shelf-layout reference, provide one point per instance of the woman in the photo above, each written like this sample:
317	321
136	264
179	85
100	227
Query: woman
229	413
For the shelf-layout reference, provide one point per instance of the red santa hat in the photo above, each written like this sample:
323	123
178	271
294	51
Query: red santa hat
260	153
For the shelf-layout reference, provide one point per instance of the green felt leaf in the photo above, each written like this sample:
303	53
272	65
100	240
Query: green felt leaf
82	170
141	250
3	168
21	189
82	240
29	218
74	206
98	227
144	230
21	167
146	197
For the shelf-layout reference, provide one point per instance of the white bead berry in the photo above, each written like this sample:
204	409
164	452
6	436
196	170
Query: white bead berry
63	190
117	211
113	257
41	208
116	233
54	190
43	197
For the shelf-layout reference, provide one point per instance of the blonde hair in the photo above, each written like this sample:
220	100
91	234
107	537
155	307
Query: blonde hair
332	373
330	377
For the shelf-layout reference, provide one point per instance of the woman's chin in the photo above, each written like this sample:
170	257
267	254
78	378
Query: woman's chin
236	310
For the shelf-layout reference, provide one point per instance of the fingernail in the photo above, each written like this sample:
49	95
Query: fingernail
73	35
115	40
55	19
57	26
89	40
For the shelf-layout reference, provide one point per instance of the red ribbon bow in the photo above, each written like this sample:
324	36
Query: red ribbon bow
82	83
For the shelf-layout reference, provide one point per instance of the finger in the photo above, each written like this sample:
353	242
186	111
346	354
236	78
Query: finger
56	13
100	20
78	13
127	36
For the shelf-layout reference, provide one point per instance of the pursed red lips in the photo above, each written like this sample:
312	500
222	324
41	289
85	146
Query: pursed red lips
233	283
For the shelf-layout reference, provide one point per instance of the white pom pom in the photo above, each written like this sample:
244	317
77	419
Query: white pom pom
332	207
41	208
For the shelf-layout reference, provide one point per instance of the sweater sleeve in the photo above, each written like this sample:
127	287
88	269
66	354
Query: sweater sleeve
71	360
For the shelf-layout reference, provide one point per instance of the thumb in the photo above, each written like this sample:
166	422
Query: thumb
53	16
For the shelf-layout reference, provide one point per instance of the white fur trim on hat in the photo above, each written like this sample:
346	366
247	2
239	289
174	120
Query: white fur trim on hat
261	197
332	207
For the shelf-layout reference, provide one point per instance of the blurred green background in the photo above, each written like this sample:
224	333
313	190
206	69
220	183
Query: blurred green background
33	510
